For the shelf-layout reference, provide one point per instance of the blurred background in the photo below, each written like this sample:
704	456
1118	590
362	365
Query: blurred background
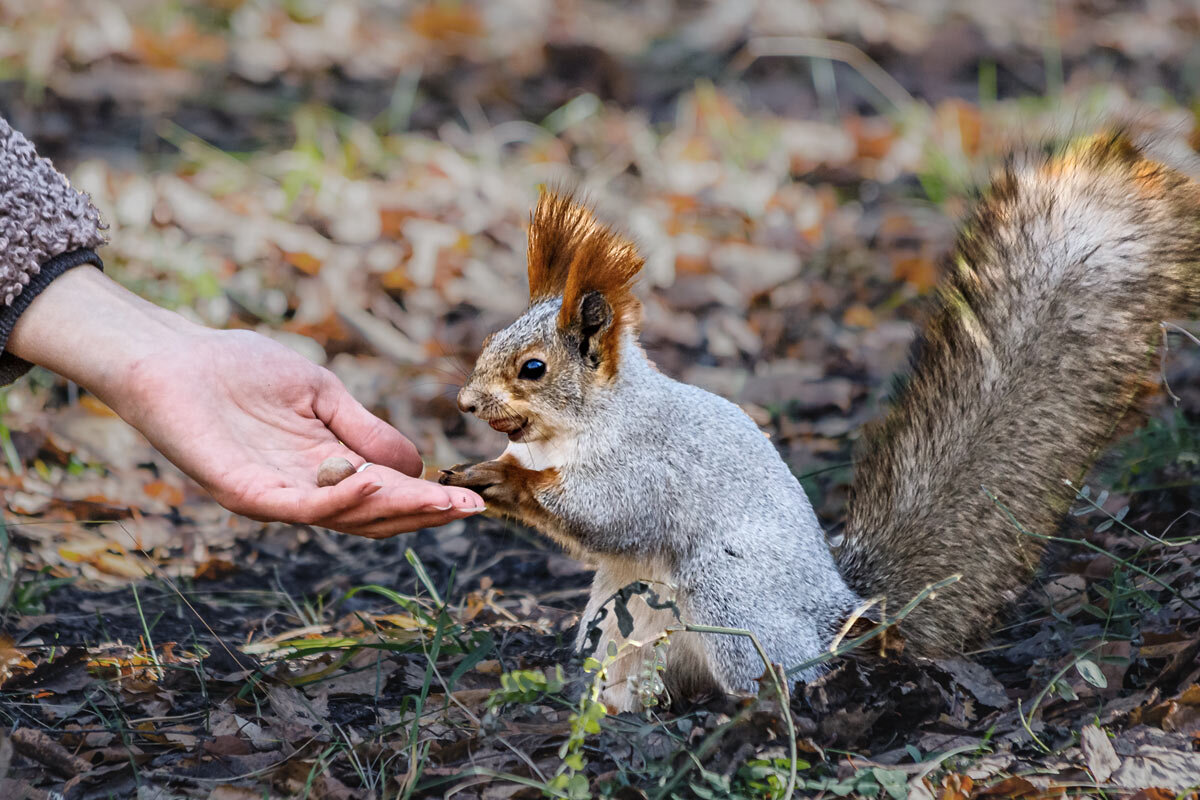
354	179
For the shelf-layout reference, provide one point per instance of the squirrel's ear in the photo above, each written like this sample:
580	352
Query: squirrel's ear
595	317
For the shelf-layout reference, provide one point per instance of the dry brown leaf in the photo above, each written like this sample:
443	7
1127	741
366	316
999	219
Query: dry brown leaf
229	792
1152	765
161	490
94	405
1009	787
305	262
444	22
214	569
1154	794
12	659
1098	753
955	787
918	270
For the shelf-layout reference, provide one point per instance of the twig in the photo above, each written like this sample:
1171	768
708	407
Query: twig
830	50
49	753
1120	521
1093	547
878	630
1181	329
1162	360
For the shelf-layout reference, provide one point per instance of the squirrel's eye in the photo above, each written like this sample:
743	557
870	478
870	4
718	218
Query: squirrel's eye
532	369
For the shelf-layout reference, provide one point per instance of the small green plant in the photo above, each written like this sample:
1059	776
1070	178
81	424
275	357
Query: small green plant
29	596
1157	448
765	779
525	686
648	683
585	720
866	782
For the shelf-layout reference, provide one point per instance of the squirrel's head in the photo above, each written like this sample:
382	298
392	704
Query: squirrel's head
533	378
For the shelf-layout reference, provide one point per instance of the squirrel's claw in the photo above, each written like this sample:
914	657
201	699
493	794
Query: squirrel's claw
470	476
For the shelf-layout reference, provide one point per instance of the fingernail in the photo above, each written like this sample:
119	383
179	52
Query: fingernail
473	509
432	507
370	488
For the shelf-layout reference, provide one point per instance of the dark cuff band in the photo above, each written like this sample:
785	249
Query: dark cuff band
12	367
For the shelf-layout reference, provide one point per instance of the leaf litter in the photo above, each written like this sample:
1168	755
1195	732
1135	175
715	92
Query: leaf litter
353	179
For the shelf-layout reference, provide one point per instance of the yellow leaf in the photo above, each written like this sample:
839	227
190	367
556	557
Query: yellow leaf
120	565
859	316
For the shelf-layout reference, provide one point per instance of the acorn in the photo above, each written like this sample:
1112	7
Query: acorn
333	471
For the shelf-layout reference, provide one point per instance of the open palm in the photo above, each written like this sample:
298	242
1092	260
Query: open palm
251	421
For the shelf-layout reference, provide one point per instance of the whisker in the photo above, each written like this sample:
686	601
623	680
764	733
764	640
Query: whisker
422	384
460	378
454	360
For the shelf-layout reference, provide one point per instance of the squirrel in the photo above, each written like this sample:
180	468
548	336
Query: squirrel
1039	338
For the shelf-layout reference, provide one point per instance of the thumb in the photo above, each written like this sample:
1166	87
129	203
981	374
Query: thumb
362	431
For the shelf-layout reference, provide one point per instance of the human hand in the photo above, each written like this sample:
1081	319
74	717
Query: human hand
247	418
251	421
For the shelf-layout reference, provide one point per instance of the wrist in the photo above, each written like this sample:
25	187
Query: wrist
88	328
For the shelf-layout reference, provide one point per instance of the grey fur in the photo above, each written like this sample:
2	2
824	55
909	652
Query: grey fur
1038	343
1040	340
666	482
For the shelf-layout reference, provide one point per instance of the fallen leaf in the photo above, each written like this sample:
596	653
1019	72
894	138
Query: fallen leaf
1098	753
1009	787
1159	767
214	569
859	316
12	659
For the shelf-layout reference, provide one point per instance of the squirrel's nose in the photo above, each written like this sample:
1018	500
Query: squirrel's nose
467	400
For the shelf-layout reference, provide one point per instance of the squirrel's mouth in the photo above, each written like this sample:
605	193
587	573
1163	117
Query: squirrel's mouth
515	427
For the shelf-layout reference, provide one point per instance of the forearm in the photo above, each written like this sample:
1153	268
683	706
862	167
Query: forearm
88	328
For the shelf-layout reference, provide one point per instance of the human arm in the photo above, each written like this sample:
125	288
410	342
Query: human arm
247	418
244	416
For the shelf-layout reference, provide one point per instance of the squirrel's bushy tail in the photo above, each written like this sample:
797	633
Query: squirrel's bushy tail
1041	337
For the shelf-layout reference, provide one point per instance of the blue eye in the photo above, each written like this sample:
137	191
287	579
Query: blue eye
532	369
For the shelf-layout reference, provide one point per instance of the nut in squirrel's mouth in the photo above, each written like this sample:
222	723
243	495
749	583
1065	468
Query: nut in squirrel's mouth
515	427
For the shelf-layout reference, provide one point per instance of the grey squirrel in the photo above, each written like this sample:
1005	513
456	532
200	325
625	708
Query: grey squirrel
1040	338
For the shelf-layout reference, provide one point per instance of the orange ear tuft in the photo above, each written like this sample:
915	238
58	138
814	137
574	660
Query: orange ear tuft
572	254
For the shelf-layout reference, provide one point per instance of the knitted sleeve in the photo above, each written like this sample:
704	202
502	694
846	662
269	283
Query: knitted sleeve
46	228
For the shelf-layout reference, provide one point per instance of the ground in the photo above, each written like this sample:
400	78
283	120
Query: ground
353	178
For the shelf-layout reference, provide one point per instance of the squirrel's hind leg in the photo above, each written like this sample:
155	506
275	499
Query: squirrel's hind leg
630	675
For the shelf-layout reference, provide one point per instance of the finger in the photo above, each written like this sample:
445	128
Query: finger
401	496
362	431
375	493
305	506
310	505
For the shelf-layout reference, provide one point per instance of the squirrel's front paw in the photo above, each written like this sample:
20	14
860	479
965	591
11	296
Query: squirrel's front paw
477	477
508	489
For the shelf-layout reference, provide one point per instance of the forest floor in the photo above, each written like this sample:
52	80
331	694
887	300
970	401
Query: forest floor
262	166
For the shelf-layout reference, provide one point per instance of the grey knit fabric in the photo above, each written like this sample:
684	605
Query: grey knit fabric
44	224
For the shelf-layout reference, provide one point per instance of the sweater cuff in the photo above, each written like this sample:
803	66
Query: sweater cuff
12	367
